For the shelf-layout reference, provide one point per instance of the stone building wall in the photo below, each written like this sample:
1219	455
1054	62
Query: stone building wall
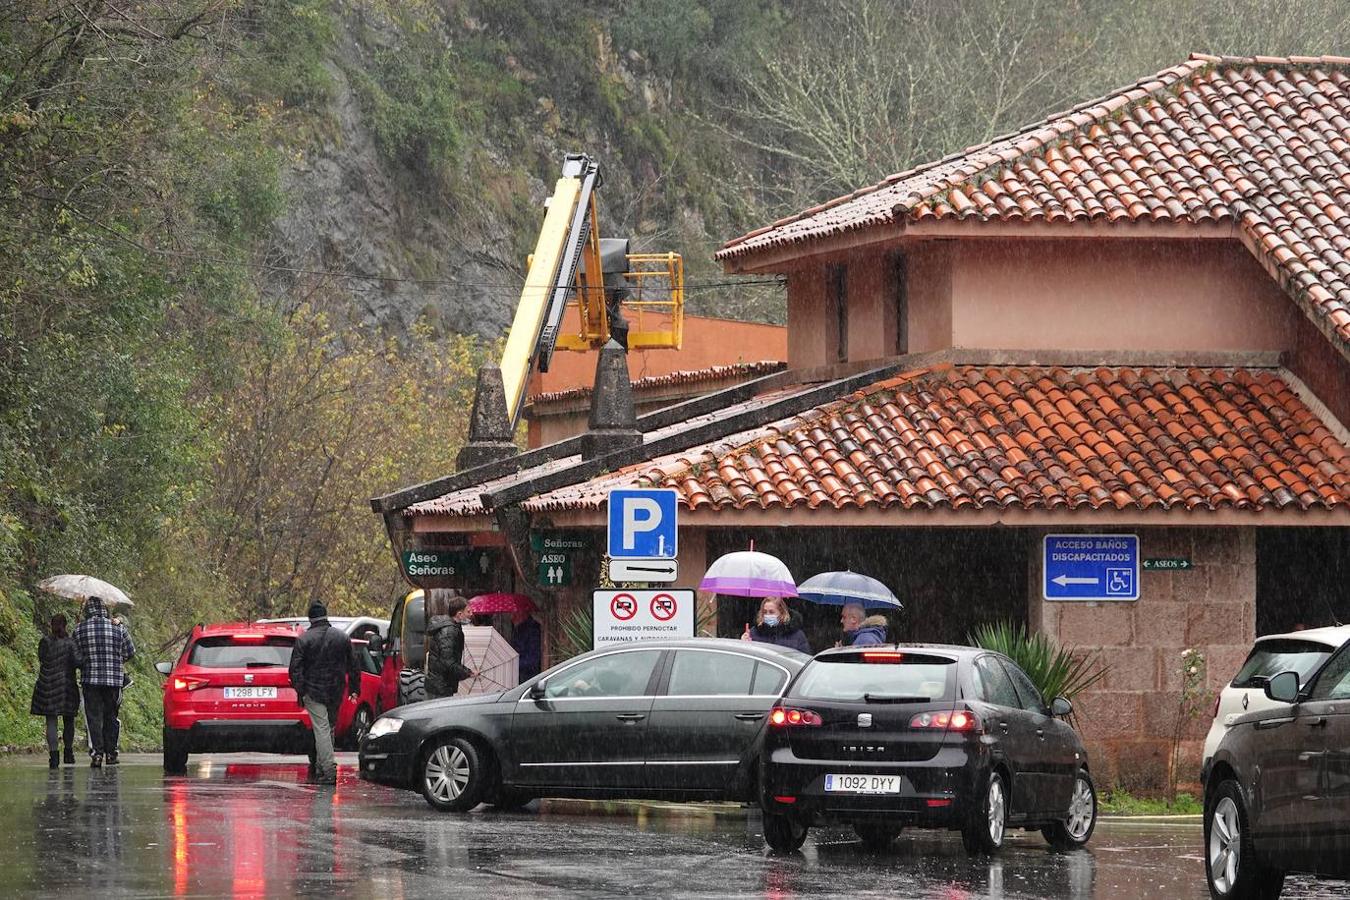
1128	720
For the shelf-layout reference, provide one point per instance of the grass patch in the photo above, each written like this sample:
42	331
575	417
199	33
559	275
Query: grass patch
1123	803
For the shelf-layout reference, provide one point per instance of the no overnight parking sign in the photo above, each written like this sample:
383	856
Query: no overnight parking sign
624	616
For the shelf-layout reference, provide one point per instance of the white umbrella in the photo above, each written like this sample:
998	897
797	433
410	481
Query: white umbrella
492	657
82	587
748	573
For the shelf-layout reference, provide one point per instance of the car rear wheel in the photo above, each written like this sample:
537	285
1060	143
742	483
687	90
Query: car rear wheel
1075	829
175	753
876	837
987	822
1232	868
782	834
453	776
412	686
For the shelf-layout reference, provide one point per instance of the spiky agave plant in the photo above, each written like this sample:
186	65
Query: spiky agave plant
1056	671
577	632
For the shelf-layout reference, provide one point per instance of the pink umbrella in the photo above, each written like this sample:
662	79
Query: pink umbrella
491	604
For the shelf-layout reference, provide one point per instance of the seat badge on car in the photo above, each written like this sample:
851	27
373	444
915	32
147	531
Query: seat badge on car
864	720
248	679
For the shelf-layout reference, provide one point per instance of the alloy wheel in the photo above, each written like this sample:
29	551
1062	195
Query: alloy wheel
997	811
447	773
1080	810
1225	842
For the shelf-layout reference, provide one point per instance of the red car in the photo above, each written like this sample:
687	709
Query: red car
230	692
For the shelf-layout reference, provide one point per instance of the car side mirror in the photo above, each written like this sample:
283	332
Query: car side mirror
1061	707
164	668
538	688
1283	687
376	644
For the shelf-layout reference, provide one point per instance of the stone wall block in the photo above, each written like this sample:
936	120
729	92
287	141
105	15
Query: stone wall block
1167	542
1230	584
1106	715
1104	625
1155	586
1214	623
1217	545
1160	624
1130	668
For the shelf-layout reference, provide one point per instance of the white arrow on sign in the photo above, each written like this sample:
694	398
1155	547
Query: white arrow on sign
1066	580
624	571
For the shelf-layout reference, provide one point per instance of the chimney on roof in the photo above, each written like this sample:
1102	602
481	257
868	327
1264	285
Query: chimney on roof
489	424
613	421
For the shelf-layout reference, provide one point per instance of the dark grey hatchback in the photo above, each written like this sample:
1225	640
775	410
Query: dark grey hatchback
925	735
663	719
1277	790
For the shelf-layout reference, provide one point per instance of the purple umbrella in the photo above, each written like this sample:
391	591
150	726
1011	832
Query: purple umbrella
748	573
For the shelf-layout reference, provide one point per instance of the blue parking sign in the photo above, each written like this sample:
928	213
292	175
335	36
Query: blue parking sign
1091	567
642	524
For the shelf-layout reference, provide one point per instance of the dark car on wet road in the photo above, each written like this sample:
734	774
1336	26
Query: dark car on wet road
674	719
932	736
1277	791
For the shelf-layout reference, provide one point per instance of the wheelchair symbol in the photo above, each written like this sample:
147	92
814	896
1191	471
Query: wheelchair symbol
1119	581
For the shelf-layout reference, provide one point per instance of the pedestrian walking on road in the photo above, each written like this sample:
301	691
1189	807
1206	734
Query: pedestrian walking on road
101	649
323	663
774	624
56	694
445	645
860	629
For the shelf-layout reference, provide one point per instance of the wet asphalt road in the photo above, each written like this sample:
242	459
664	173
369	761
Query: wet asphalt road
248	826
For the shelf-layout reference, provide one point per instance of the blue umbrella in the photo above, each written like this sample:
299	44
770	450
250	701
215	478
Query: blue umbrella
839	588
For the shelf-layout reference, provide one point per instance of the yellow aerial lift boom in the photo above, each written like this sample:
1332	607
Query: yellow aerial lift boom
573	268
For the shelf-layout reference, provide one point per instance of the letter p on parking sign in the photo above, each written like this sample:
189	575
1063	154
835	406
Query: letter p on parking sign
642	524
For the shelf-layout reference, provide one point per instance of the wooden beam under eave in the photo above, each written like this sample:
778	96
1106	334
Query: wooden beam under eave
452	524
783	258
873	517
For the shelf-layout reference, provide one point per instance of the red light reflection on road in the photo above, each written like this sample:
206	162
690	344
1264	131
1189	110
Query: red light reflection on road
178	805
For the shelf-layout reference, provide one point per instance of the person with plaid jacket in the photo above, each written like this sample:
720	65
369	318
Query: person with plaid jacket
101	647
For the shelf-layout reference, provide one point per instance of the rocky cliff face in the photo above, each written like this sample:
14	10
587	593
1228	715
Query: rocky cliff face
456	258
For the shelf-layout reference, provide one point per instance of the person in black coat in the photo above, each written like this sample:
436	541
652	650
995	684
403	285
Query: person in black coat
527	639
56	694
322	662
774	625
445	645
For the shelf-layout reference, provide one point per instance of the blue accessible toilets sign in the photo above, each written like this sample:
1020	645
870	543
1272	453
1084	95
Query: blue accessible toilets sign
1091	567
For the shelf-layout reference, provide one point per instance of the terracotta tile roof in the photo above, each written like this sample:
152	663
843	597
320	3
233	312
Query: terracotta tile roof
740	370
1051	438
1261	142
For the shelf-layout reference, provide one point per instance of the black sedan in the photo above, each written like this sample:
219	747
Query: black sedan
670	719
1277	791
924	735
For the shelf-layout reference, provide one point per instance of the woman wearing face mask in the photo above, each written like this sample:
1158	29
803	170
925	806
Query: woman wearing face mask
775	625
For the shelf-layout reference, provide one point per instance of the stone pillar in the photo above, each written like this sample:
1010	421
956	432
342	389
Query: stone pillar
613	421
693	564
490	437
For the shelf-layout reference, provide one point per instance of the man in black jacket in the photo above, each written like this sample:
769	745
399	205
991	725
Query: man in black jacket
321	663
445	645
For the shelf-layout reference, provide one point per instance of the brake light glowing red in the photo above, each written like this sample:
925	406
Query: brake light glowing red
882	656
249	638
786	716
785	799
188	684
955	720
935	803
